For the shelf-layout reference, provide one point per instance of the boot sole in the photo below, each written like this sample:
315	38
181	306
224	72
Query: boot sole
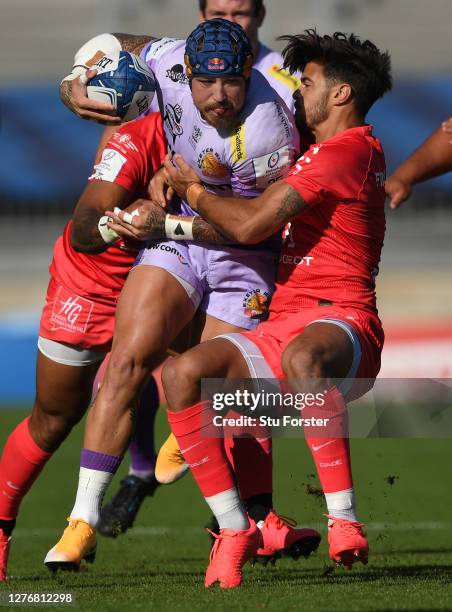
69	566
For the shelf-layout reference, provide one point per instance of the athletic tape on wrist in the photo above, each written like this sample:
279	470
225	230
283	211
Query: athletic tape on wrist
77	71
108	235
177	228
91	52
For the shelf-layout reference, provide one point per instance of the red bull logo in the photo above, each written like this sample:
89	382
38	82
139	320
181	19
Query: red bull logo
215	63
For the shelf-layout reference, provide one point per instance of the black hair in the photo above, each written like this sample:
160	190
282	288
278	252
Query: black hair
345	58
257	7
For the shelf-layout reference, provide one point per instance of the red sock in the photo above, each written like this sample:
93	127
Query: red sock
252	462
329	445
21	463
203	452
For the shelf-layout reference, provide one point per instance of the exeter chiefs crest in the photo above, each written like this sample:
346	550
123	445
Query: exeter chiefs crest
255	304
210	165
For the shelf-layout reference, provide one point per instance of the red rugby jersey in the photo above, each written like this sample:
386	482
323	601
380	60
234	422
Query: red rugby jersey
332	250
130	158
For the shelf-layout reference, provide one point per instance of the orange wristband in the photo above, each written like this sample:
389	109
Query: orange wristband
192	194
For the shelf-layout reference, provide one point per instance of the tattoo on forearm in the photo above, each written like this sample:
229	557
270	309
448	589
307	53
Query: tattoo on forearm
204	232
85	235
133	43
66	93
154	227
292	205
155	223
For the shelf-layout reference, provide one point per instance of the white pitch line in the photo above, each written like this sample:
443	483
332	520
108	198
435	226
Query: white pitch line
175	531
410	526
137	531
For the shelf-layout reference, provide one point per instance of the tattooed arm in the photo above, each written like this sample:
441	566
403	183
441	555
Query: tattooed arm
250	221
134	43
203	231
97	197
243	220
225	220
148	223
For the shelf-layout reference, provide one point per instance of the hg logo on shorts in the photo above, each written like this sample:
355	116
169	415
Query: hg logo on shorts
70	311
255	304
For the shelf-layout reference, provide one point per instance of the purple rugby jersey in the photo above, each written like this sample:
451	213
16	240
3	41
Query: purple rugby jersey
234	284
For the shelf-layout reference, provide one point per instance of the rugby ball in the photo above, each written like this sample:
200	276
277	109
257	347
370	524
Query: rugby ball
124	81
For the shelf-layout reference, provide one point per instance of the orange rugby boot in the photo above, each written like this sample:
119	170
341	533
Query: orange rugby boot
230	551
348	543
281	538
170	465
77	542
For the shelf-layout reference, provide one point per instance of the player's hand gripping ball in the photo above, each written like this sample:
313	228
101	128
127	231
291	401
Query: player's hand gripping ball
124	81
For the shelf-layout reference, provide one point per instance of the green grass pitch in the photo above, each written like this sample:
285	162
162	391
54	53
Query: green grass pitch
160	565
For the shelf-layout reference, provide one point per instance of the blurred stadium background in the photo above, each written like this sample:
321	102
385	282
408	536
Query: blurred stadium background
47	155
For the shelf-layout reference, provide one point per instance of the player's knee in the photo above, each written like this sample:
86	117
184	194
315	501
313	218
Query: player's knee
52	424
304	362
180	379
125	368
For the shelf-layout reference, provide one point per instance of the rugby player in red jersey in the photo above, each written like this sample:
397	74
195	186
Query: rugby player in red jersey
323	322
76	330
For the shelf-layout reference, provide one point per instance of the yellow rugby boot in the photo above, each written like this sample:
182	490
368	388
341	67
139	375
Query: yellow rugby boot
170	465
77	542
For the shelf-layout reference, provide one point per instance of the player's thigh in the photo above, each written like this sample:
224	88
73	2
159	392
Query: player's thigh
203	327
217	358
63	390
152	309
213	327
185	339
191	334
181	377
321	350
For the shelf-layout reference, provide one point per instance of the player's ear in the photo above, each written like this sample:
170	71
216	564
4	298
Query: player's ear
261	16
201	16
342	94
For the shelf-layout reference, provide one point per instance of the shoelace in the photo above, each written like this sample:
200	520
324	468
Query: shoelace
73	526
73	522
176	456
348	527
281	521
218	537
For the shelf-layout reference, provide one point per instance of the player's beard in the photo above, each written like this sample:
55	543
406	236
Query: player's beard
225	122
318	113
